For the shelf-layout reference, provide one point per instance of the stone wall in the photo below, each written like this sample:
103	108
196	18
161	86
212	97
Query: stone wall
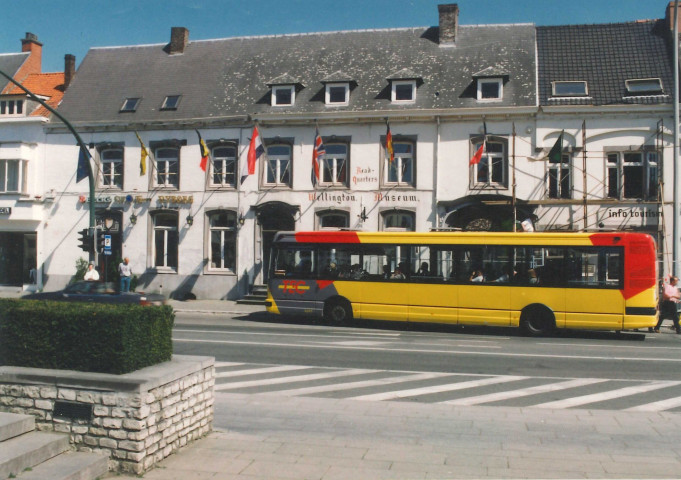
137	419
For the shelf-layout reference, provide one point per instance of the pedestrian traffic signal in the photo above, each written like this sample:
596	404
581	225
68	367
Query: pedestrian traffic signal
100	240
85	240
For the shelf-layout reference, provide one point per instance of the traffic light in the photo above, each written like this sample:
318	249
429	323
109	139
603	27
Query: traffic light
85	240
100	240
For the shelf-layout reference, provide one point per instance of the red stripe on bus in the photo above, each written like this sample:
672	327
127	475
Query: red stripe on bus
322	284
327	237
639	260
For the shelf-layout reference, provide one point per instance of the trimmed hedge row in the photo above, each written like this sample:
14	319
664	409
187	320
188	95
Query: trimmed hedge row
86	337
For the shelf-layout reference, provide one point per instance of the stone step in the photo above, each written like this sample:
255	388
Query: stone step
14	424
30	449
69	466
251	301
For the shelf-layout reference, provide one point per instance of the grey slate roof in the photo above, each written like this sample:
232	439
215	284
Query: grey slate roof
605	56
10	63
227	77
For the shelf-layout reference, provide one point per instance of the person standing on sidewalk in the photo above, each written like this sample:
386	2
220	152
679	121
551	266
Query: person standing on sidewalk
670	299
125	272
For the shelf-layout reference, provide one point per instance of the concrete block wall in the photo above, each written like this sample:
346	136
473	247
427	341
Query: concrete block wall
136	427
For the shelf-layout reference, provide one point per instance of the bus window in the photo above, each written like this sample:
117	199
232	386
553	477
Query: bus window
380	261
594	267
424	265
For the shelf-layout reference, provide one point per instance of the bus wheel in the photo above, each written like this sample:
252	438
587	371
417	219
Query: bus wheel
537	321
338	312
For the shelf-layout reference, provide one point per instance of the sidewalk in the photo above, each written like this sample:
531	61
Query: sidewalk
214	306
270	437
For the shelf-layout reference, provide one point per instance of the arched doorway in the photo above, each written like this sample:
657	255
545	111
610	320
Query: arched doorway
493	213
272	217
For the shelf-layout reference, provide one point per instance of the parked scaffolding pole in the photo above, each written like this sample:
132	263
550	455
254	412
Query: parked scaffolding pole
677	172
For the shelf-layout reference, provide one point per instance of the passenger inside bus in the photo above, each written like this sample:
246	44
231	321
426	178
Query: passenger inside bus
477	277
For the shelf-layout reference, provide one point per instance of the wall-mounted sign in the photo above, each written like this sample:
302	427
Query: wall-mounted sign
175	199
5	210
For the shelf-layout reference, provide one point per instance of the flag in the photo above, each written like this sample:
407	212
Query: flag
556	152
478	154
389	152
317	153
82	170
204	152
143	157
255	150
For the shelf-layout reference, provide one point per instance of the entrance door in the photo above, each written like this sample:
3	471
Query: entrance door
11	258
273	218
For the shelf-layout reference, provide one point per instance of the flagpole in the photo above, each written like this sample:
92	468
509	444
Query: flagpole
584	171
515	214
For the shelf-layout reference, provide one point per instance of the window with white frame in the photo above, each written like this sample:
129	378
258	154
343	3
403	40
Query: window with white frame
12	108
278	166
130	104
632	175
337	93
167	167
403	91
398	221
222	244
333	219
401	170
569	89
490	89
166	240
335	164
171	102
560	178
643	86
283	95
493	166
223	166
13	176
111	161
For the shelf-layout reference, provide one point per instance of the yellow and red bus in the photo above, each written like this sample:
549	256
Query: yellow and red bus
535	281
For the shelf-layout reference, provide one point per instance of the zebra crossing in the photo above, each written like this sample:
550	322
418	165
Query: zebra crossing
376	385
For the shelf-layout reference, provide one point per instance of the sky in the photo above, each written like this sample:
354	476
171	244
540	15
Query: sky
75	26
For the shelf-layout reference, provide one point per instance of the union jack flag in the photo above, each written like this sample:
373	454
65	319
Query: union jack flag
317	153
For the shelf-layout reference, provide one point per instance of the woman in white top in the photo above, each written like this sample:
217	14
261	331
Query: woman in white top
91	275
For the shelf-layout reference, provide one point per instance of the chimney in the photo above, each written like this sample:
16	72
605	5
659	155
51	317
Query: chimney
179	36
69	69
669	17
449	23
35	48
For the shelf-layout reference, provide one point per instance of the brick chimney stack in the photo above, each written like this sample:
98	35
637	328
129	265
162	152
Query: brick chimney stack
449	23
669	17
35	59
69	69
179	37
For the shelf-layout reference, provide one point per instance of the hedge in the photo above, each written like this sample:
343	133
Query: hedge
86	337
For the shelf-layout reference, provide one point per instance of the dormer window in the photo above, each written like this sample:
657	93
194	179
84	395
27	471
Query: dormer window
11	107
403	91
283	95
490	89
643	86
570	89
171	102
130	104
337	93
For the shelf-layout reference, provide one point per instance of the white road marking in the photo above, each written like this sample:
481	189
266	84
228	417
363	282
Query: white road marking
228	364
412	392
327	346
290	379
294	392
255	371
609	395
523	392
657	406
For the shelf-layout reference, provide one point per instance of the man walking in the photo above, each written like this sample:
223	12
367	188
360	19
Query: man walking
670	297
125	272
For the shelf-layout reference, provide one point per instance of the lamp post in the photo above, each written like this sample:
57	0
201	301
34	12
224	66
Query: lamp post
80	142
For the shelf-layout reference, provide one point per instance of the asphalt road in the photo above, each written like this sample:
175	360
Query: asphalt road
259	353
